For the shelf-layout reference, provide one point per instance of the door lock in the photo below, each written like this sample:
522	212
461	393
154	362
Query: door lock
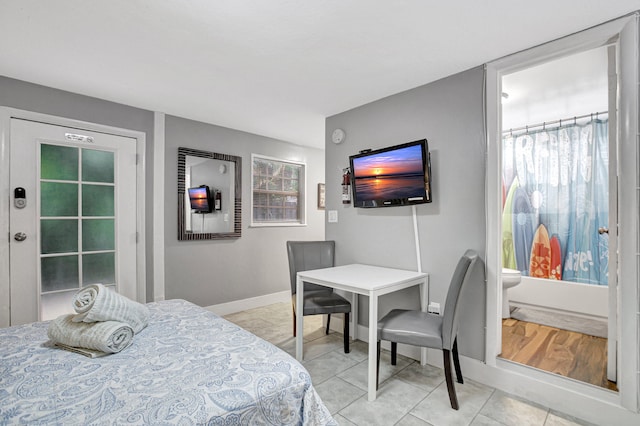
20	198
20	236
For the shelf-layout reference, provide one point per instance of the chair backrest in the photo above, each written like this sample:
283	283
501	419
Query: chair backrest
470	269
308	255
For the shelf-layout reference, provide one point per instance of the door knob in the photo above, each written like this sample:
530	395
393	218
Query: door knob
20	236
603	231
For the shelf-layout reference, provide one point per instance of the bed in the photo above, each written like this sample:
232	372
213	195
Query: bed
188	367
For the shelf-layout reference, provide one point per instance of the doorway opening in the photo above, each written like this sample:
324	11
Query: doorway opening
620	37
557	158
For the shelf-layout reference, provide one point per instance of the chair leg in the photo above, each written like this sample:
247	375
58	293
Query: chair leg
328	322
453	398
394	353
294	322
345	332
378	366
456	361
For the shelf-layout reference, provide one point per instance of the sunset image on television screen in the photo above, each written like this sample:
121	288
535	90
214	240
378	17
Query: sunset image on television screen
405	161
394	174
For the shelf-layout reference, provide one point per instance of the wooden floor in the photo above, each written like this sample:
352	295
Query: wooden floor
566	353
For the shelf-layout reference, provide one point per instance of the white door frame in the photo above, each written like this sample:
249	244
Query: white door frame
612	321
625	32
6	114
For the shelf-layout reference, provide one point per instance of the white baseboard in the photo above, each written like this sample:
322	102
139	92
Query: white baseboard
557	311
251	303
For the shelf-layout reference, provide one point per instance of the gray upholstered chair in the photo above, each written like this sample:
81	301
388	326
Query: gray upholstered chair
423	329
318	299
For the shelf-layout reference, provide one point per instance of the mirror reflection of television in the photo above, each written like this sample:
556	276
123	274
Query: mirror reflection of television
398	175
200	198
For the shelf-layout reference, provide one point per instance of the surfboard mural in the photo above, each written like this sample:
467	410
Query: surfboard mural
540	263
555	272
508	253
523	226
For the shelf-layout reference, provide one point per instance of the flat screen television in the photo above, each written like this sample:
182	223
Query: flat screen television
398	175
200	198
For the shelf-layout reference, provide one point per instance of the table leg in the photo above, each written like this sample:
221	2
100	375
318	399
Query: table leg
424	301
299	318
354	316
373	340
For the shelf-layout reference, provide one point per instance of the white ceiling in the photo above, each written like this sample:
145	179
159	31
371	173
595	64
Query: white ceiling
571	86
273	67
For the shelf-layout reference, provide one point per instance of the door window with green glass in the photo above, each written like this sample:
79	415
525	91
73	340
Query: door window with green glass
77	218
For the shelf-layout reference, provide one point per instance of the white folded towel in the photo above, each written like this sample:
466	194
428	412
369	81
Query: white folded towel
104	336
99	303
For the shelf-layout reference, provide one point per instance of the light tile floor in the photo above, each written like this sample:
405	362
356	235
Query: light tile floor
409	394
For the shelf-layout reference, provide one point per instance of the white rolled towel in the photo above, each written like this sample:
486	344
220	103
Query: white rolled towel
99	303
104	336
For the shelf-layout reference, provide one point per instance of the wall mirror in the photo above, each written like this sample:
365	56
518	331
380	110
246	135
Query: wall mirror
209	195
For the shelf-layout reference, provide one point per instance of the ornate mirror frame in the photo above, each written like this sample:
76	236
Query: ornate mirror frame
183	234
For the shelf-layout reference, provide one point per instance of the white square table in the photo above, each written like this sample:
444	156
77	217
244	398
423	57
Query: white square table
371	281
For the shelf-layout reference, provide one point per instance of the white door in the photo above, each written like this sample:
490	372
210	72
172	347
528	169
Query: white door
77	225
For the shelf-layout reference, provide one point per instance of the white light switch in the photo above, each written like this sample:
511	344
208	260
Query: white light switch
333	216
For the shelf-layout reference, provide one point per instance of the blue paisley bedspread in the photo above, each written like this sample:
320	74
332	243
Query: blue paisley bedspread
188	367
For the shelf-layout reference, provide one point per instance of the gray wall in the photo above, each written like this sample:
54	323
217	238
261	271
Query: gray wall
32	97
449	113
255	264
220	271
